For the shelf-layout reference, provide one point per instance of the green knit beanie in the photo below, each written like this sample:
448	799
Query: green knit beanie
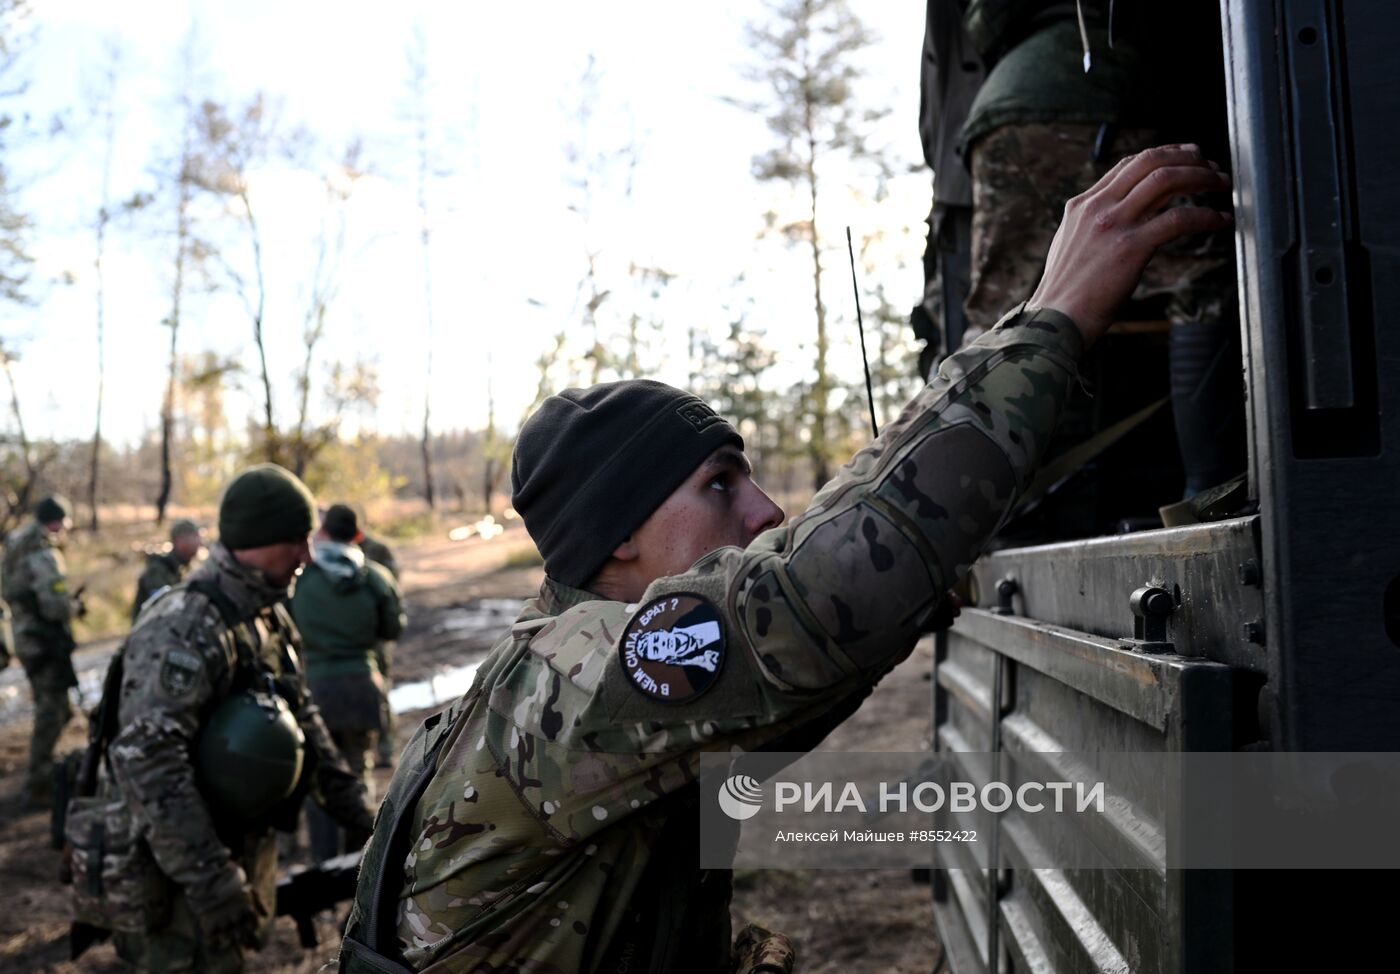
265	505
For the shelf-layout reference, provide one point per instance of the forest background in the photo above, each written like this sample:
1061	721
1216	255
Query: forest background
365	245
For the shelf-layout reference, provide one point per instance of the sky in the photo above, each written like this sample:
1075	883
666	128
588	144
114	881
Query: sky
508	243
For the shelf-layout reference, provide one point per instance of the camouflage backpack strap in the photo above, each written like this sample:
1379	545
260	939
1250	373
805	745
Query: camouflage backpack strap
102	727
371	937
235	627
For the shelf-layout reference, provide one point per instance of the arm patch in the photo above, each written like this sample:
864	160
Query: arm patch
180	672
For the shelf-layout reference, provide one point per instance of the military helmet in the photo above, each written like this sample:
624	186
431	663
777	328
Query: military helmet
249	755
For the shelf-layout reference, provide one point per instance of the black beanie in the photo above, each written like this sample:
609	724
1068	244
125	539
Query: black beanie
340	523
265	505
54	507
591	465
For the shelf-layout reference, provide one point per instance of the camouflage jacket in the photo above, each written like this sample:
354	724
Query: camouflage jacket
178	663
35	583
162	570
550	798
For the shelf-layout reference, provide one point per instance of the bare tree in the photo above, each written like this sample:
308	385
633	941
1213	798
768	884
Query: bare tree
189	251
339	183
231	148
418	84
592	169
17	489
14	224
107	115
804	57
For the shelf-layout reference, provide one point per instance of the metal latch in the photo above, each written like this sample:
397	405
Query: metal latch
1006	589
1152	605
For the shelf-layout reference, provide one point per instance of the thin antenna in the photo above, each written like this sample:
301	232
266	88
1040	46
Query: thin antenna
860	325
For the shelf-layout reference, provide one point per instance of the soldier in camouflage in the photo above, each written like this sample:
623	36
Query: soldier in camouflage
36	587
166	568
548	821
1071	89
216	876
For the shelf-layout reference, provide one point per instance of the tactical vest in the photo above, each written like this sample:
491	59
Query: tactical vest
668	925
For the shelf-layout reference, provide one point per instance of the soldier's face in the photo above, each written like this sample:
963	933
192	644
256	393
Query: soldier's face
279	562
186	546
717	506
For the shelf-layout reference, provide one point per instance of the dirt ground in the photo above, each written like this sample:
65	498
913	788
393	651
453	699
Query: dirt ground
841	921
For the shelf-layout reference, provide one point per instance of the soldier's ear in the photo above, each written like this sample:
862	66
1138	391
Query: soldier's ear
628	550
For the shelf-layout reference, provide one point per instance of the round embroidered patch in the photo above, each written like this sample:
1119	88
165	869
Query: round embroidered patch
673	649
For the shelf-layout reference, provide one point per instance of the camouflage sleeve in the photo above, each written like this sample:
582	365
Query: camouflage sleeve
336	789
175	662
779	641
836	597
50	587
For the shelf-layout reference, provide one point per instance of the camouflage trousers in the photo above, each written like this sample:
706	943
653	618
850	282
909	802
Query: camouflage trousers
178	946
49	685
1022	176
388	725
358	747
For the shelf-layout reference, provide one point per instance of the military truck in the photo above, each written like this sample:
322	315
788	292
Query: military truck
1276	628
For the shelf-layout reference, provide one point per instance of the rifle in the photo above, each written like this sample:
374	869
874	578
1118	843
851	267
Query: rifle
303	893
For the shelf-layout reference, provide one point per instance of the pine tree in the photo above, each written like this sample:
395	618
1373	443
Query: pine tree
805	54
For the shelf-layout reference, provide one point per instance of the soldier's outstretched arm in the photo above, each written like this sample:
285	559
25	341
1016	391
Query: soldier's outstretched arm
173	663
825	604
842	592
806	618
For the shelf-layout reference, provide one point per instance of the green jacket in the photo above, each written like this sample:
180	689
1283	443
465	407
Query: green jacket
566	778
344	607
1039	71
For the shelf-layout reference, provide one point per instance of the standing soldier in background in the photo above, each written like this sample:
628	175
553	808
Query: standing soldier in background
1070	90
35	586
379	553
214	743
345	608
166	568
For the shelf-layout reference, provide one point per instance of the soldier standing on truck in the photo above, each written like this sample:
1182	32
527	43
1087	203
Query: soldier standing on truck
214	743
345	608
166	568
1070	89
549	820
36	586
